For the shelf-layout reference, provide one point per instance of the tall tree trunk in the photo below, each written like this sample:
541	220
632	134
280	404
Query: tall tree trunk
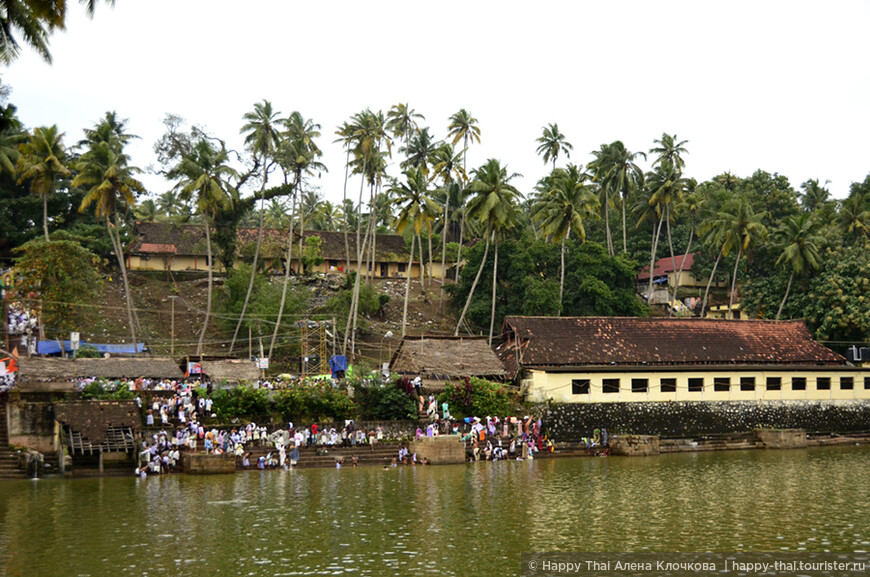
45	215
607	225
562	276
685	256
116	244
210	285
785	298
652	257
254	264
408	286
673	259
459	249
422	262
473	286
709	282
287	269
343	205
494	279
444	252
430	259
359	252
734	282
624	243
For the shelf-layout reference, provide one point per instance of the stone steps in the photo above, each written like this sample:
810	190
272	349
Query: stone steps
8	462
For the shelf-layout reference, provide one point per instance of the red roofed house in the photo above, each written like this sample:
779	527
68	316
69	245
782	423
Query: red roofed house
667	274
605	360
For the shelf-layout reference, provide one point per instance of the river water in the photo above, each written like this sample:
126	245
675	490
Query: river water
472	520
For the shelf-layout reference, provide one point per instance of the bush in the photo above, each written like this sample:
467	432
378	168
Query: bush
313	402
241	402
107	391
385	403
476	397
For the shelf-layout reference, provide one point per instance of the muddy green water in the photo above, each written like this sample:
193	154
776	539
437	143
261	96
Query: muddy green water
452	520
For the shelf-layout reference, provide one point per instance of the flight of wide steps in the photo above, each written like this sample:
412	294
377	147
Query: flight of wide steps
8	462
382	454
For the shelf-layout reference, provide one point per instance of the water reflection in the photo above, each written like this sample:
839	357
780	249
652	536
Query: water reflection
452	520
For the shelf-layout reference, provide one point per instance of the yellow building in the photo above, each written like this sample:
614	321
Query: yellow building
619	360
178	248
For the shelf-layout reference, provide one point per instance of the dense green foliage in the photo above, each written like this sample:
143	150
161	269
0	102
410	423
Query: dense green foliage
384	402
64	275
265	299
476	397
596	284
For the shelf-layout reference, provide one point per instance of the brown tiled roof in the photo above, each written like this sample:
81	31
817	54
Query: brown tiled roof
181	239
93	418
189	240
579	341
442	358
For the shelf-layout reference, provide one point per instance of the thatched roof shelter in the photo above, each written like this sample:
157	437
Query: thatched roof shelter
437	359
231	370
44	369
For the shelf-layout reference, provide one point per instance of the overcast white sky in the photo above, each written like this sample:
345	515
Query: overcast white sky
782	86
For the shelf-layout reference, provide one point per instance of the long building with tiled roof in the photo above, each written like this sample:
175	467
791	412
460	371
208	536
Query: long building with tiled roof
606	359
181	247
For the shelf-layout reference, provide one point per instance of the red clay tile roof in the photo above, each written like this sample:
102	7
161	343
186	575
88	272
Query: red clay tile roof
148	247
577	341
666	265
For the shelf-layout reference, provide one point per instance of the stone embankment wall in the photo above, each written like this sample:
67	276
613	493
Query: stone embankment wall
442	450
32	425
570	422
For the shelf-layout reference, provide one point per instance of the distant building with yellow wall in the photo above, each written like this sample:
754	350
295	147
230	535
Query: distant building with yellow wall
174	247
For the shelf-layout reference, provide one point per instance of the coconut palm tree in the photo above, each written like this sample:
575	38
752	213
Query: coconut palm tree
669	150
203	176
402	121
105	173
741	228
34	21
494	206
170	205
42	161
417	210
147	210
551	143
566	201
298	156
855	217
615	169
367	133
462	126
11	135
447	167
419	150
666	185
262	138
815	195
800	242
693	204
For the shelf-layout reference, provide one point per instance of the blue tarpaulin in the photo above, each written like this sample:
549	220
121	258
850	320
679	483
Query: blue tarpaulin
53	348
337	363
